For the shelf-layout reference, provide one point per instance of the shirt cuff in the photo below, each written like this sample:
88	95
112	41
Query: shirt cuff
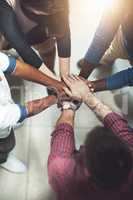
23	112
12	65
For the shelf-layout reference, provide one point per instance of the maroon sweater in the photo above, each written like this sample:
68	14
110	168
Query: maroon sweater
68	175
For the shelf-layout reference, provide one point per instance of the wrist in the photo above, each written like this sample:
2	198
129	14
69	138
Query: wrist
99	85
91	101
68	112
71	105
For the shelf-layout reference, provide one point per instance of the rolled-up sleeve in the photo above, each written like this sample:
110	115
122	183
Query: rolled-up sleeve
11	114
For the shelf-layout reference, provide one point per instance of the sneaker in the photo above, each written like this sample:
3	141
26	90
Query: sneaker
13	165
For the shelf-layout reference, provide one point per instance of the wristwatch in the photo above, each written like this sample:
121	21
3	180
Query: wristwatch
67	105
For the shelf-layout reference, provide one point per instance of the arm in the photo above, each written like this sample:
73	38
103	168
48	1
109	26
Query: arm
62	143
64	45
103	37
36	106
121	79
11	114
20	69
60	160
113	121
29	73
12	32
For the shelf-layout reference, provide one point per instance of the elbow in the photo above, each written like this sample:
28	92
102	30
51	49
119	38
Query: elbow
60	168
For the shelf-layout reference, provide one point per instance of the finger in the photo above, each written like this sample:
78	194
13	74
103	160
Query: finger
81	78
92	89
73	77
67	81
77	78
67	91
90	85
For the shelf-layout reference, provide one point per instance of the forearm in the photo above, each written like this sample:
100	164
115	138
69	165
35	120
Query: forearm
96	105
67	116
10	28
45	70
64	64
29	73
88	68
98	85
36	106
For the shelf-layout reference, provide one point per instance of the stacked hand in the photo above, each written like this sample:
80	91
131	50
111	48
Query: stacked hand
76	88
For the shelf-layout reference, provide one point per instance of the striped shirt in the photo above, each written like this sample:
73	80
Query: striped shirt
68	175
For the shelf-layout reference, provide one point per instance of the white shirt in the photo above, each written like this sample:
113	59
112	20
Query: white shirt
10	112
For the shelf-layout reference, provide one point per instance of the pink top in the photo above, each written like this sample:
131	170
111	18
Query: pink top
68	175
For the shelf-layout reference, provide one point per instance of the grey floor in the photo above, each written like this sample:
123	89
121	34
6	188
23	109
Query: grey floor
33	138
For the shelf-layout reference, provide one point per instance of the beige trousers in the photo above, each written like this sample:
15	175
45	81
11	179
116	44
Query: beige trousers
116	50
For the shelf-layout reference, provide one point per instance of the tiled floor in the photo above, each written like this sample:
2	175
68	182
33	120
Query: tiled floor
33	138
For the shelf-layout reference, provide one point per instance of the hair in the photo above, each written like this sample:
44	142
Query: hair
108	158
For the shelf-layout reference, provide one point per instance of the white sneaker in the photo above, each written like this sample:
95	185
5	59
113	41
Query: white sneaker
14	165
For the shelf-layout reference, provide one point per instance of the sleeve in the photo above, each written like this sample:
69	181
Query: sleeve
64	45
119	126
103	37
11	114
7	63
62	142
120	79
61	165
12	32
61	28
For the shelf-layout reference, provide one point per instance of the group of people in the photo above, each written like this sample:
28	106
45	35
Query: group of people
103	167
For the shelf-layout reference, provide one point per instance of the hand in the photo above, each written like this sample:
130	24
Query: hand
58	88
91	86
63	97
78	88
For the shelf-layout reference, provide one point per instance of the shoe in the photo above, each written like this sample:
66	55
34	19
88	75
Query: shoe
13	165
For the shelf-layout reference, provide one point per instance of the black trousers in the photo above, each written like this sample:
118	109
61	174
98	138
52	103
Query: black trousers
6	146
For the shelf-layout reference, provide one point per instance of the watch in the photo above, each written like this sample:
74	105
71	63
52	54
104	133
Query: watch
70	105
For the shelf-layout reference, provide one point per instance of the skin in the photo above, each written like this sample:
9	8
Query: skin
36	106
29	73
78	90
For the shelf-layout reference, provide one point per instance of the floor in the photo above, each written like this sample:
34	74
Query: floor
33	138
